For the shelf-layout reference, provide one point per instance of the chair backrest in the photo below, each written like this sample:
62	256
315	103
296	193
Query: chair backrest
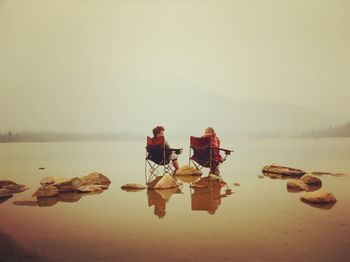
156	149
201	149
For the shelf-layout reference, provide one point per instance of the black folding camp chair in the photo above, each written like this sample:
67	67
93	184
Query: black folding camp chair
202	153
157	155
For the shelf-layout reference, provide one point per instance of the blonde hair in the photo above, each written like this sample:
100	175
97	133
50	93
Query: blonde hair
210	130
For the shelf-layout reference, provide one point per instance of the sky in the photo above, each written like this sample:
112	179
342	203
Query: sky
67	65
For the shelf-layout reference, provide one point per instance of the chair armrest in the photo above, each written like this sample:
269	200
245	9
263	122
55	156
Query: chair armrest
177	151
227	151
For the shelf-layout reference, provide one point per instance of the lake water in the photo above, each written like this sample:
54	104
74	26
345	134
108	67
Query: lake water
259	221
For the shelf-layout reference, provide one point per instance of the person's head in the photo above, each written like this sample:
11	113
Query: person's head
158	131
209	131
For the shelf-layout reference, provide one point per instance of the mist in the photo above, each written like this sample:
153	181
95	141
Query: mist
243	67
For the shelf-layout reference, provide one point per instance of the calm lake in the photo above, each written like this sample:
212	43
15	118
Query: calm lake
259	221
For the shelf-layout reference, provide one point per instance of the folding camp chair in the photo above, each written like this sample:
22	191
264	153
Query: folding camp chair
202	153
157	155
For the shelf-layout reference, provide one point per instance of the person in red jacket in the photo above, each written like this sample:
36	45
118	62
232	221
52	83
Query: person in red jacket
215	144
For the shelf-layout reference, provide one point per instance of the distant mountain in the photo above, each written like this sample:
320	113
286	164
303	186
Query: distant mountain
184	109
338	131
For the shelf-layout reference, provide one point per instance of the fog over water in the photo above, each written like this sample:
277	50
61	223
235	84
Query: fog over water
244	67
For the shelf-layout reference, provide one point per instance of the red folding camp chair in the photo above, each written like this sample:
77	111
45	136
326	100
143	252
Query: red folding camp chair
157	155
202	153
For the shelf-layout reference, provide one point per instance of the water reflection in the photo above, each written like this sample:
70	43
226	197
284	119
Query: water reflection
69	197
206	194
159	198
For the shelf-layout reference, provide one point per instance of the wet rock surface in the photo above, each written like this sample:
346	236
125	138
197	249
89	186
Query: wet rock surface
12	187
46	191
188	170
319	197
297	185
311	180
283	171
95	178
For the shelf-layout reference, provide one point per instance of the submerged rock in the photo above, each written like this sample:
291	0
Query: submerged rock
95	178
46	191
319	197
188	170
47	181
297	185
67	184
12	187
283	170
311	180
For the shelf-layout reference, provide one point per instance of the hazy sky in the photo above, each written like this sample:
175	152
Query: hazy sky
66	60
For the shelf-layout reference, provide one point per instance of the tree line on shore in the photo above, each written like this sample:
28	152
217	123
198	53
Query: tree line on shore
10	136
337	131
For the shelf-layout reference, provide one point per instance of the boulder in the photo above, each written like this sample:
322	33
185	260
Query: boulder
5	193
283	170
95	178
188	170
12	186
297	185
91	188
311	180
209	182
67	184
47	181
166	182
318	197
46	191
133	186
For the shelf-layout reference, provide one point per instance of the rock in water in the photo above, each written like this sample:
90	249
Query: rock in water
236	184
297	185
12	186
5	193
283	170
167	181
95	178
319	197
32	202
67	184
91	188
311	180
47	181
46	191
188	170
133	186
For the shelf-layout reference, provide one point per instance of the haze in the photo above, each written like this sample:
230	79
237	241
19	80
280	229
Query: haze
125	66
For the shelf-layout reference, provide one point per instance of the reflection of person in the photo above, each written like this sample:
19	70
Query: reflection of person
159	131
207	195
215	144
154	199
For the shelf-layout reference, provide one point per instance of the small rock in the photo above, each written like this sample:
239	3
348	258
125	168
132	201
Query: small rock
41	168
316	173
133	186
47	181
297	185
167	181
91	188
283	170
67	184
260	176
319	197
95	178
311	180
236	184
46	191
188	170
5	193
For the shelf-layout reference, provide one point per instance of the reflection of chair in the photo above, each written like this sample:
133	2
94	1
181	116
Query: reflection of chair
207	198
203	153
159	198
158	155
